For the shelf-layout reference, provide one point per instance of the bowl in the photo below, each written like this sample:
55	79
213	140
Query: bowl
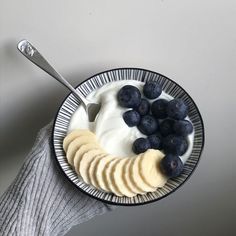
70	104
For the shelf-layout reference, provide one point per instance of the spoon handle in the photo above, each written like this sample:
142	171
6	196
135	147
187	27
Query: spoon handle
31	53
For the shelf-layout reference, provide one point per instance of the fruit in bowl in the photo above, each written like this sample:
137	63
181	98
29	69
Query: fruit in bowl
135	144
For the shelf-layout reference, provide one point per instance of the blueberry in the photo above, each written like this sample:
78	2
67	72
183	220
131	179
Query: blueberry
183	127
129	96
148	125
159	108
171	165
144	107
131	118
177	109
141	145
175	144
155	141
152	89
166	127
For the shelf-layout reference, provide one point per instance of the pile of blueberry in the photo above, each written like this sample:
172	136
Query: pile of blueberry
162	121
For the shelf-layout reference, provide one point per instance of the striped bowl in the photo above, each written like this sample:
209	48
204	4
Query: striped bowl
70	104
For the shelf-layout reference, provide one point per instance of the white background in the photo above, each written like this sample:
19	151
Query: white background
192	42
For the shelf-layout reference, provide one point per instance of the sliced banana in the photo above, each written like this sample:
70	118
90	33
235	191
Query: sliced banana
136	177
100	173
93	169
110	179
81	151
86	161
76	144
119	178
150	168
127	178
74	134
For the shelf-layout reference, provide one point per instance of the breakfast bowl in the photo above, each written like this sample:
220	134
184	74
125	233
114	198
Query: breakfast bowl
118	138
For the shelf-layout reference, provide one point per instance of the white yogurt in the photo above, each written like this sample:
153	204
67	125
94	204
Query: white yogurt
112	132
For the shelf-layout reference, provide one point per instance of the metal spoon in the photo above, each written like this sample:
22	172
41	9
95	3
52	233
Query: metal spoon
31	53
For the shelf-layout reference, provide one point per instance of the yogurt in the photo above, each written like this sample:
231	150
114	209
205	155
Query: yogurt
113	134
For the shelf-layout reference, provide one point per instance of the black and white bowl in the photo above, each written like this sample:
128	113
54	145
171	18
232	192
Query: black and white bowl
70	105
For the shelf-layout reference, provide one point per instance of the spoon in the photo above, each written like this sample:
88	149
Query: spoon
31	53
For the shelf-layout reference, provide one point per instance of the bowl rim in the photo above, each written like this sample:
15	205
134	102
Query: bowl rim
129	204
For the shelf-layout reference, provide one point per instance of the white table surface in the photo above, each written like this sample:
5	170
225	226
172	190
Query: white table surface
192	42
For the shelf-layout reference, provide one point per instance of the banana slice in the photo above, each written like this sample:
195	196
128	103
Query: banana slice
75	145
93	169
131	184
104	174
150	168
86	161
100	173
136	177
74	134
81	151
109	177
119	179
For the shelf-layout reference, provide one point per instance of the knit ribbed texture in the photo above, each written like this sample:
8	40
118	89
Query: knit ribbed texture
41	200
